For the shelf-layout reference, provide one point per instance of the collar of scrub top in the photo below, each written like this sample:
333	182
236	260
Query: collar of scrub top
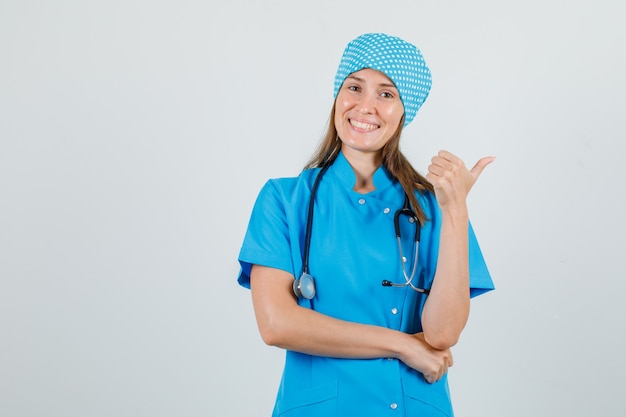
343	171
305	285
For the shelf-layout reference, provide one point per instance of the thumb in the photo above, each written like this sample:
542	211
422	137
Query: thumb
480	165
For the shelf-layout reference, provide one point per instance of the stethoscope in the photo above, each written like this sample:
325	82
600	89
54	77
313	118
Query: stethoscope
305	285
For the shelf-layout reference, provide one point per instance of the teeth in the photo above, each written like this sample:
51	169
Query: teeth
364	126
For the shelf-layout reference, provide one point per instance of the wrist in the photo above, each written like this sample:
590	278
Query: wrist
401	346
457	214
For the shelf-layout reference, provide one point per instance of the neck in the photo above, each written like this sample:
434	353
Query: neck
364	166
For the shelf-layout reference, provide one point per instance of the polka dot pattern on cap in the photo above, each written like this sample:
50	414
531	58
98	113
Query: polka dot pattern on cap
399	60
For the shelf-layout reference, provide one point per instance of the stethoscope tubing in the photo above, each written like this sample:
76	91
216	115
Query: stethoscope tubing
309	221
305	285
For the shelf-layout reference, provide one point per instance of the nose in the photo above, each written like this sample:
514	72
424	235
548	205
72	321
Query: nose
367	104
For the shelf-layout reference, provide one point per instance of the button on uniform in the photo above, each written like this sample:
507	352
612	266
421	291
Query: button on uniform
393	406
394	311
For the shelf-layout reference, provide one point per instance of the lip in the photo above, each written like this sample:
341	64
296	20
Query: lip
363	126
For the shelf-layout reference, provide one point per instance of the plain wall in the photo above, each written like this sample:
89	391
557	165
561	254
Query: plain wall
135	136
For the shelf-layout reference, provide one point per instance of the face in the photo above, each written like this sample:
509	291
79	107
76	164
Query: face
368	111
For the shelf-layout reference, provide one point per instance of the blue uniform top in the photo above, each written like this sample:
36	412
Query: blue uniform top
353	249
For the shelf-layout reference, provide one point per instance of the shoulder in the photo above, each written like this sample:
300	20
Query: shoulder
287	184
288	189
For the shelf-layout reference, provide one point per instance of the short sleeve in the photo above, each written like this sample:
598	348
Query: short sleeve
480	278
267	239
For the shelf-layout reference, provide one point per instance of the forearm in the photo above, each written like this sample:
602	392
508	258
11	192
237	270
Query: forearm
313	333
447	307
283	323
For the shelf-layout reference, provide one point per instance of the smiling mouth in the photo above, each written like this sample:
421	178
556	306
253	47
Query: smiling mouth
363	126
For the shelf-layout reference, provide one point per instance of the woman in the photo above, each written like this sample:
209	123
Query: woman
366	318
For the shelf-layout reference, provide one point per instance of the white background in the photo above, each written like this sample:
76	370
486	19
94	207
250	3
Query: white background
135	136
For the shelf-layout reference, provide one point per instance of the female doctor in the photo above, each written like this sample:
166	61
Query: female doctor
361	268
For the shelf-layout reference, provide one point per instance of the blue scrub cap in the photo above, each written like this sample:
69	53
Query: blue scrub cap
399	60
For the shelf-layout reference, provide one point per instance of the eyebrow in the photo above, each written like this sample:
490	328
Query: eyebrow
387	85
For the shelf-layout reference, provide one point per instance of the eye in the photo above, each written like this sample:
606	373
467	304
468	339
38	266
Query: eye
387	94
354	88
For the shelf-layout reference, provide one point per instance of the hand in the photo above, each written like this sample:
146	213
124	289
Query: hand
431	362
451	179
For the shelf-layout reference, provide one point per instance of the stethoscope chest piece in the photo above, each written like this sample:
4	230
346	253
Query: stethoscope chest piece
304	286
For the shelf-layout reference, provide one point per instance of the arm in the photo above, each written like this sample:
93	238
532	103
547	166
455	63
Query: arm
447	308
283	323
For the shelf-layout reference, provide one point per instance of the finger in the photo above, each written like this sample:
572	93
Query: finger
448	156
436	170
445	159
437	161
480	166
433	179
439	165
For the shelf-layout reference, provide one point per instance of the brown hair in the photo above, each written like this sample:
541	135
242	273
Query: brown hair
393	160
